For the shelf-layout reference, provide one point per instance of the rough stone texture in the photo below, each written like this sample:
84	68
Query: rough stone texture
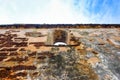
97	57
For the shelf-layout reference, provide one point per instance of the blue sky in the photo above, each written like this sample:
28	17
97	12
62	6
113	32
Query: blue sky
60	11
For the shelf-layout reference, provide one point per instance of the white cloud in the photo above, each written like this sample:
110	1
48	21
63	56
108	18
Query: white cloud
54	12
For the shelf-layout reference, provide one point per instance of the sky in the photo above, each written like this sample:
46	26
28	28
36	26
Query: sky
60	11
